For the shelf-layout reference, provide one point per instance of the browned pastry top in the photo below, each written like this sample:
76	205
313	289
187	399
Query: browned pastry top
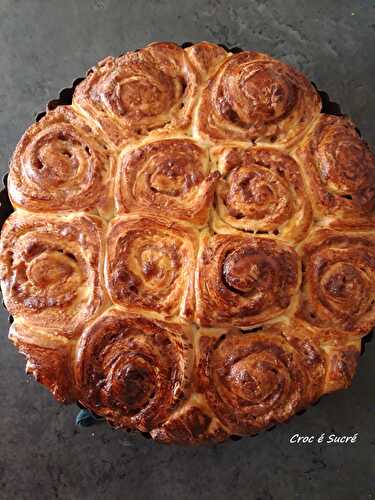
192	248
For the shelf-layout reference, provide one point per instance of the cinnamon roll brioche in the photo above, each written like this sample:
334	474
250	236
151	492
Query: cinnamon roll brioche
338	289
133	370
206	58
254	98
340	170
243	280
60	165
254	380
50	269
191	253
139	91
260	191
150	265
193	423
170	175
49	358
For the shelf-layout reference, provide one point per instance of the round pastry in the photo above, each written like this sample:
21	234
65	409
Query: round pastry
61	165
191	252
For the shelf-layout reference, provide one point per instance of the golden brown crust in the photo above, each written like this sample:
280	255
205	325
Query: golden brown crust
150	265
132	370
49	359
260	191
138	92
343	358
193	423
59	165
253	97
338	290
256	379
170	176
231	202
206	57
341	353
244	280
340	169
50	269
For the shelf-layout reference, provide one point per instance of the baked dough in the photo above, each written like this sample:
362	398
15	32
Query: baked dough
192	248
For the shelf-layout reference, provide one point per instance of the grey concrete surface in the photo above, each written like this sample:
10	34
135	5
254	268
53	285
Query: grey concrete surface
44	45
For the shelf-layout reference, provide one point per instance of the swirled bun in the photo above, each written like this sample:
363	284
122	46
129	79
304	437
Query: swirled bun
61	165
339	286
253	97
244	280
51	269
191	253
256	379
133	370
128	96
261	190
164	176
340	168
150	265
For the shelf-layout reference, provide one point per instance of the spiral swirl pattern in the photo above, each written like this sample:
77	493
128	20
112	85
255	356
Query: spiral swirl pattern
253	97
132	370
244	281
60	166
254	380
167	176
261	191
50	271
139	91
339	281
341	172
150	265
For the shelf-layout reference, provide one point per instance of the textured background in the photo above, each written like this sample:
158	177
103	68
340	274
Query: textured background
43	47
